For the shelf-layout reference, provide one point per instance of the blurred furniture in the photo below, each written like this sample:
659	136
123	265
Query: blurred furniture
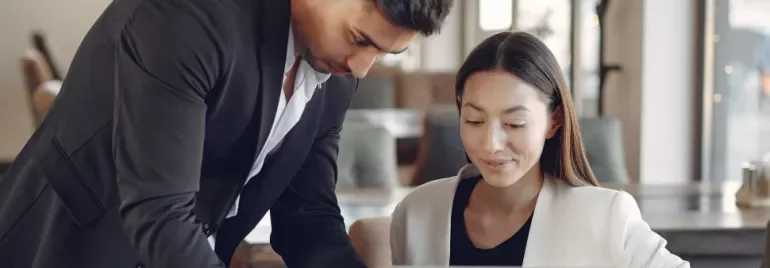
371	239
422	90
405	125
367	156
389	88
40	93
401	123
441	153
40	43
42	78
374	93
603	143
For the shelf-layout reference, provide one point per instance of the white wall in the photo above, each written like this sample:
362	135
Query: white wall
668	92
443	52
655	95
65	23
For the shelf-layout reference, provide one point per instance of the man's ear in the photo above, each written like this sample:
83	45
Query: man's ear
557	120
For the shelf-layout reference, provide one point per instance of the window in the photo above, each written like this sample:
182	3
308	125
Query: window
495	15
737	112
551	21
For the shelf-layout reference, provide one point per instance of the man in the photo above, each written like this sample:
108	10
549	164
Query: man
181	122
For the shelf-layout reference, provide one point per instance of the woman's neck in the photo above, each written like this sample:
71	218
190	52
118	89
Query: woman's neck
514	198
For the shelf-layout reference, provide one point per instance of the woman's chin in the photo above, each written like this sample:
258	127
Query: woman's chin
500	180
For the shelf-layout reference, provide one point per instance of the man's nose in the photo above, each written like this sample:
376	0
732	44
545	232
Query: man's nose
361	64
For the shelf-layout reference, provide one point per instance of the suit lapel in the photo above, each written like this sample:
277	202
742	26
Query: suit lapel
440	247
272	56
537	240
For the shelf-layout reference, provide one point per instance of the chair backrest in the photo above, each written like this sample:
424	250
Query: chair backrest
441	153
36	72
603	142
40	43
367	156
36	69
371	239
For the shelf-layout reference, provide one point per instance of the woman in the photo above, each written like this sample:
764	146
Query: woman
528	198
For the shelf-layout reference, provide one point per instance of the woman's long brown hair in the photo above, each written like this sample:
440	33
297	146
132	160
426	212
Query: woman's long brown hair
525	56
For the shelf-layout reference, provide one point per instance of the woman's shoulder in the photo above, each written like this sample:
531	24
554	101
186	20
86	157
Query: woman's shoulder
593	197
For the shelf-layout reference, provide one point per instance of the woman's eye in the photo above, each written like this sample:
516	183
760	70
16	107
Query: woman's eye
517	125
473	123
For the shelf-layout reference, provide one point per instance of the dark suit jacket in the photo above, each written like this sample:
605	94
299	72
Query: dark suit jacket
153	135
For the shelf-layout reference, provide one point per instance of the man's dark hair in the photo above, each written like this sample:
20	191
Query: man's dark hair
424	16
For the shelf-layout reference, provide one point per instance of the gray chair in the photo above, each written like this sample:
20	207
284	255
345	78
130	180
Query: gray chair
603	142
367	157
441	152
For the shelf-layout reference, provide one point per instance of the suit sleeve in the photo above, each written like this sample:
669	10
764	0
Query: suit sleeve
632	241
167	59
308	228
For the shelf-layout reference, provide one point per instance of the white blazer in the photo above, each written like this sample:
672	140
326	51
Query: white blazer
571	226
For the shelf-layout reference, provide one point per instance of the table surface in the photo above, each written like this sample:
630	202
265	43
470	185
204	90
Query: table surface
692	208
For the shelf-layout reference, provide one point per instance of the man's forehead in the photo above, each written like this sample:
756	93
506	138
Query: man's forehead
386	35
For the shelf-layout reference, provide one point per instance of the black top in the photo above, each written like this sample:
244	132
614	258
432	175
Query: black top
463	252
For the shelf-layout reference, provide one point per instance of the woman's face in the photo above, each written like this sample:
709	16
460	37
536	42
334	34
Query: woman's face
504	125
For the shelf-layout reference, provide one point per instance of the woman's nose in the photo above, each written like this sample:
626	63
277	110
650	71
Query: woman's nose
495	138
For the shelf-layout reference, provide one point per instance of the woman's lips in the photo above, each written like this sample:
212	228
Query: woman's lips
497	165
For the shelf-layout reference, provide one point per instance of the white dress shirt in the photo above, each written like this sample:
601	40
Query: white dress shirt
288	113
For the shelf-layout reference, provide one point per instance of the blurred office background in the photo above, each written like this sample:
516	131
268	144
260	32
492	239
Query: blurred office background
673	98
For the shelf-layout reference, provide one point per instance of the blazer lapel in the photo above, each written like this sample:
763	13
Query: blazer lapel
272	56
441	230
538	230
442	227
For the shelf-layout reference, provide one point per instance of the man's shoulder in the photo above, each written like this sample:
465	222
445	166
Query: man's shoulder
348	82
340	88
